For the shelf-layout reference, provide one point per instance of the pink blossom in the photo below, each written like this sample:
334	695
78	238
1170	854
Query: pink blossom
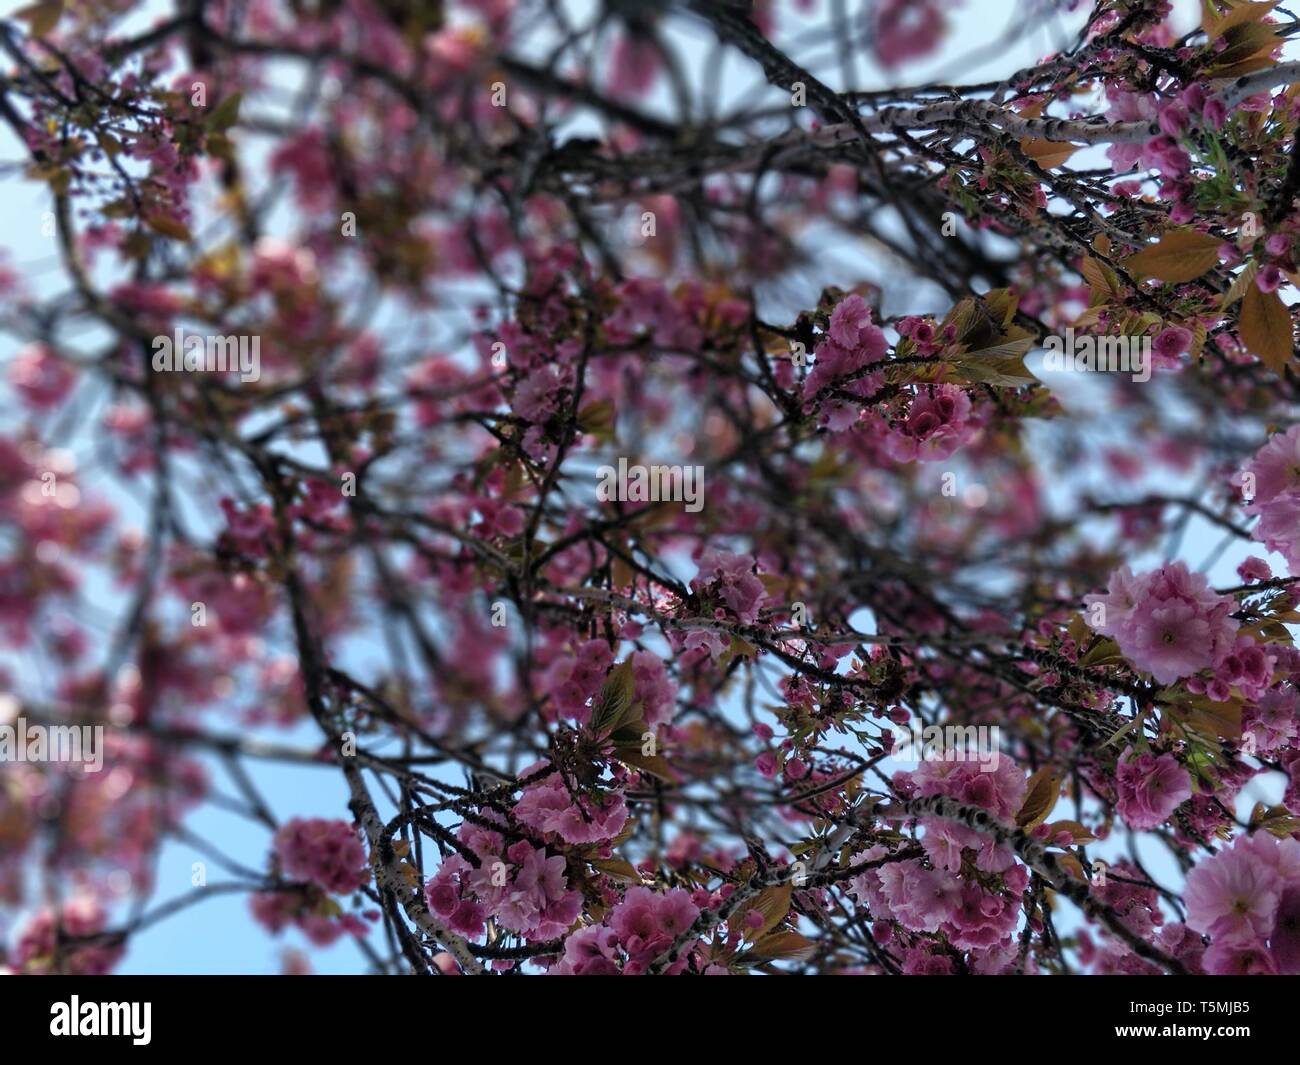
652	686
1272	720
851	328
731	577
548	806
1233	896
1274	475
81	915
1278	527
1167	622
905	29
571	680
324	852
1170	343
529	893
634	64
646	922
937	424
591	951
1254	569
40	376
1150	787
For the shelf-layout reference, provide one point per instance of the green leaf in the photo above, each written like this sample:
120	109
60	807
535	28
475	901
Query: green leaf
1123	731
614	700
226	113
1002	364
597	419
1105	652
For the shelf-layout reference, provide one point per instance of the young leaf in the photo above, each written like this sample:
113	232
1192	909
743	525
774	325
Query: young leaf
785	946
597	419
226	113
1242	13
619	868
1265	327
41	18
1179	255
167	226
1002	364
1040	796
614	700
1078	833
772	904
1045	153
647	763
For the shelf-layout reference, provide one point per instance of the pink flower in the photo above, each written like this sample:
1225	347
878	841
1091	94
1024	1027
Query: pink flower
1169	344
1269	278
281	267
905	29
1275	467
1272	720
1167	622
1278	528
589	952
647	923
922	899
653	687
1215	113
1275	473
851	327
40	376
1150	787
1231	959
731	578
537	397
1284	940
983	919
529	893
80	916
1248	667
633	66
549	807
571	680
1124	106
1233	897
852	343
1000	790
324	852
920	961
937	424
1254	569
1173	118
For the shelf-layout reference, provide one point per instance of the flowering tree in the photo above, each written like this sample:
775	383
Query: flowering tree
620	441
